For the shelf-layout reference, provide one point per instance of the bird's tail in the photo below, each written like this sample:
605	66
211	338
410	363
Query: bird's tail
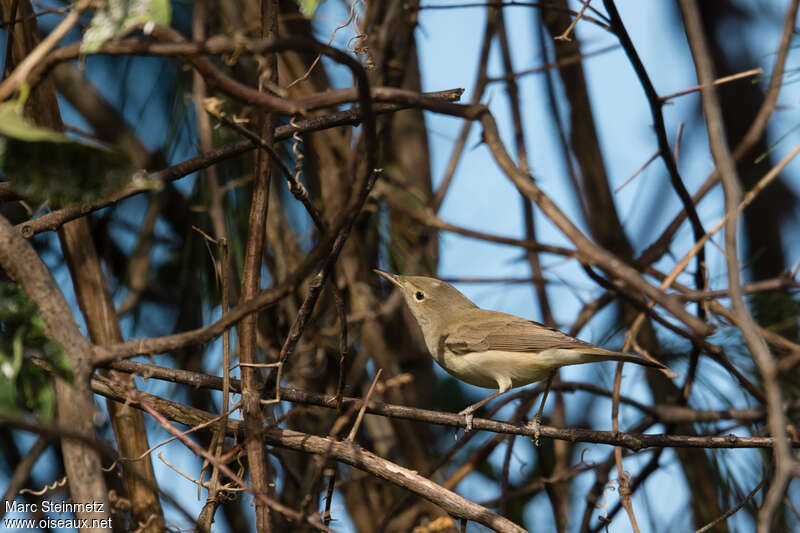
608	355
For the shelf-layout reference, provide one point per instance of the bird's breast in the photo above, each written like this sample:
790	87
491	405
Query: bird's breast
492	368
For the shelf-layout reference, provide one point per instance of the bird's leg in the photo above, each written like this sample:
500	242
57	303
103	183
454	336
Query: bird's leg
537	420
474	407
503	387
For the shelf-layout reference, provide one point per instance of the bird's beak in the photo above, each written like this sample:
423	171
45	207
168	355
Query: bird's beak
391	278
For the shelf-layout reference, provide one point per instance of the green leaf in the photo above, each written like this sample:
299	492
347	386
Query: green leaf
308	7
14	125
25	384
118	16
46	165
8	395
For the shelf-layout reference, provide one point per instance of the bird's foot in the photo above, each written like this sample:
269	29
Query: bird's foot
468	416
535	424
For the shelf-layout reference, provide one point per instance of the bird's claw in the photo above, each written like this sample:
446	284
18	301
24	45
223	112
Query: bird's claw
535	424
468	416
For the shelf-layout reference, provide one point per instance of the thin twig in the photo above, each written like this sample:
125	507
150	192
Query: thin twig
733	510
664	150
346	452
352	435
719	81
633	441
19	77
143	403
784	462
55	219
565	36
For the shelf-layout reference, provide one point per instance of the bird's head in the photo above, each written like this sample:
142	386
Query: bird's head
428	298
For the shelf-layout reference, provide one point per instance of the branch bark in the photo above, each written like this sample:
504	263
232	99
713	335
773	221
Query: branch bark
74	400
785	465
632	441
346	452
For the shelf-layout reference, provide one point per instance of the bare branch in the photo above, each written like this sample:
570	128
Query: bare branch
784	463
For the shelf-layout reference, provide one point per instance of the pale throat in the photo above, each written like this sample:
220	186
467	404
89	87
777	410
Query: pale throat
421	320
431	341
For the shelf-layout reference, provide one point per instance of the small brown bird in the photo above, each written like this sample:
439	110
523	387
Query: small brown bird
492	349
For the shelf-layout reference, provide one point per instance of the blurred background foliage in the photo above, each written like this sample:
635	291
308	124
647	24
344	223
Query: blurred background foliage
24	351
161	257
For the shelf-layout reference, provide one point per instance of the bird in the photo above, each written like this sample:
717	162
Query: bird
491	349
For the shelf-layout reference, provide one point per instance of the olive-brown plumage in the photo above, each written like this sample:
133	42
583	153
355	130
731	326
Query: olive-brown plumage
488	348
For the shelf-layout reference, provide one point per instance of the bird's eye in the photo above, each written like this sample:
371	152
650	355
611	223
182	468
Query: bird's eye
419	296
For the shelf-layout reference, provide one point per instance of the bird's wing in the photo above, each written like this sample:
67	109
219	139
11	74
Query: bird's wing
499	331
